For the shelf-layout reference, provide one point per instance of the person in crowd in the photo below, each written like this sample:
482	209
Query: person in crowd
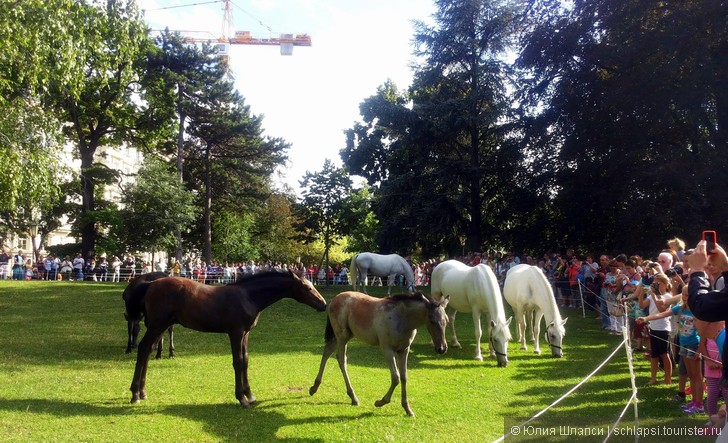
78	263
176	268
627	284
689	341
31	272
128	270
611	295
659	329
115	269
40	268
573	273
102	268
18	266
90	268
712	366
4	264
599	277
677	246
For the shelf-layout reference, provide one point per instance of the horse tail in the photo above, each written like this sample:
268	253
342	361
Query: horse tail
354	271
329	332
135	302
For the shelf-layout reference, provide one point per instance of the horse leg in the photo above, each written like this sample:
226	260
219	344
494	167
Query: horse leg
329	348
402	361
451	313
159	345
536	328
239	348
341	357
171	341
389	355
522	324
479	334
138	383
132	327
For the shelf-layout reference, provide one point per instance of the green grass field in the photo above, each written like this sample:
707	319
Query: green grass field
65	377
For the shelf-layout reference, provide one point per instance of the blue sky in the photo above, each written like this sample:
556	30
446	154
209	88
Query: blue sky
311	97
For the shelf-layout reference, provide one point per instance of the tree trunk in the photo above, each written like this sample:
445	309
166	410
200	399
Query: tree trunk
88	201
180	153
207	234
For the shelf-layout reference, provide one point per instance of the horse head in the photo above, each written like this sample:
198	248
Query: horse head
306	293
554	336
500	335
437	322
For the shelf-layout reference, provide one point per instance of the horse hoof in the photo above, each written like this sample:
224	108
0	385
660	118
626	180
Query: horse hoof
410	413
537	352
355	402
380	403
479	357
456	345
134	399
143	395
312	390
524	348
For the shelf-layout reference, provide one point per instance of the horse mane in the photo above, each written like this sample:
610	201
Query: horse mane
407	297
545	288
258	276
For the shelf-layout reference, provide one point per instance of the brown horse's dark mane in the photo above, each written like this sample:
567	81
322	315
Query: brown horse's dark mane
407	297
258	276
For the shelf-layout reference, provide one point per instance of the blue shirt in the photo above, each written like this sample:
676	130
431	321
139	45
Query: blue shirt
687	331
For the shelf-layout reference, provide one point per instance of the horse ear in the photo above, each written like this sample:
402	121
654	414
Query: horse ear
508	322
492	323
564	322
445	301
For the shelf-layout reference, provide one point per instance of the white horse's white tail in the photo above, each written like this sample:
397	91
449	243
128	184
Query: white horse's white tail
354	271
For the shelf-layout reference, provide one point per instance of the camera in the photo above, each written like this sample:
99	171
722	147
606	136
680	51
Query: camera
670	273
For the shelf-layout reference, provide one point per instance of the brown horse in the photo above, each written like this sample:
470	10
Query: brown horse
390	323
135	311
233	309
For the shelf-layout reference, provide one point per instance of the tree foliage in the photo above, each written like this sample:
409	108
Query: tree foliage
623	99
155	206
447	139
324	203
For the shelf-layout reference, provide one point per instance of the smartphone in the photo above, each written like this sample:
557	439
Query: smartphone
711	238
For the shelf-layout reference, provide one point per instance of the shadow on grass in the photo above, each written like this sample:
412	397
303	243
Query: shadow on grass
226	422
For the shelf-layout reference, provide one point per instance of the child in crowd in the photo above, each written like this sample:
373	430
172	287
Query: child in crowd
689	343
659	329
711	351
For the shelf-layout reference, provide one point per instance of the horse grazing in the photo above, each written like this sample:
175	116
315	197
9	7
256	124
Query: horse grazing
233	309
531	297
390	266
390	323
135	311
474	289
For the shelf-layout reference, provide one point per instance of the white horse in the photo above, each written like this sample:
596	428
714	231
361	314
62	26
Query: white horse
474	289
531	297
390	266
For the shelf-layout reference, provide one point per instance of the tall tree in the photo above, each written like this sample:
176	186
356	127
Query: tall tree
98	104
177	79
447	140
323	203
228	157
626	101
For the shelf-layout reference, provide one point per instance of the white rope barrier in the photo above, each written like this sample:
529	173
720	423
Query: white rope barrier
569	392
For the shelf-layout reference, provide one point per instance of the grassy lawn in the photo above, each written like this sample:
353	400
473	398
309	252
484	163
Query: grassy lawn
65	377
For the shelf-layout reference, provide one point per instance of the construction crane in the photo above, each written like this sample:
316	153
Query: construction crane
222	44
